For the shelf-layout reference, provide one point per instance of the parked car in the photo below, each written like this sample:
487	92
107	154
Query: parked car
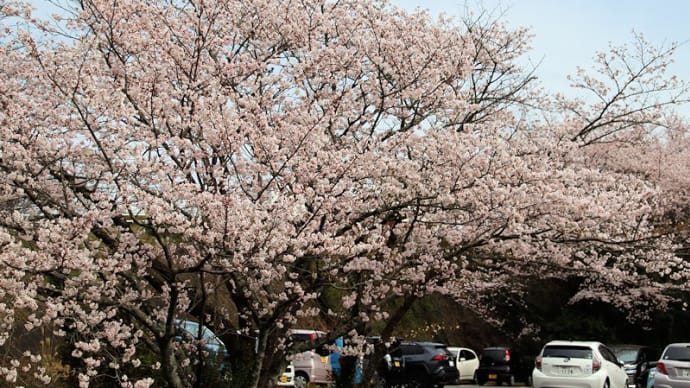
578	364
313	365
466	361
216	355
418	364
637	361
212	344
501	364
673	368
287	378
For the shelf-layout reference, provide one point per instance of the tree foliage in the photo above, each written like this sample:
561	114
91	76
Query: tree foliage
243	162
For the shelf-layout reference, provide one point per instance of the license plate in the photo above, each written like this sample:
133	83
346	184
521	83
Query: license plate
565	370
397	364
684	372
451	363
283	379
493	376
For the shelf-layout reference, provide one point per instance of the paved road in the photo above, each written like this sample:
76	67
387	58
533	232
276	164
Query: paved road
479	386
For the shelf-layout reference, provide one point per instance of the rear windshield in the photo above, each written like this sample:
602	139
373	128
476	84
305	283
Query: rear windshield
565	351
493	355
678	353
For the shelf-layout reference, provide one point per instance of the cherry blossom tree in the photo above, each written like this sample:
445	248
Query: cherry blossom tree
240	162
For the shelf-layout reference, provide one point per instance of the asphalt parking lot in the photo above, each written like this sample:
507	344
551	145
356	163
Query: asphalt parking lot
479	386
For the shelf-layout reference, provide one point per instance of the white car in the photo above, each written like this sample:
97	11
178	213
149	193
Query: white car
673	368
582	364
466	361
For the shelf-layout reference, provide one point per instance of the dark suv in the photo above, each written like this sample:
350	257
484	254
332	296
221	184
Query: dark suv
637	361
418	364
503	365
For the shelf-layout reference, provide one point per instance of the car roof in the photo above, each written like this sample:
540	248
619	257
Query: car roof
427	343
679	344
574	343
306	331
626	346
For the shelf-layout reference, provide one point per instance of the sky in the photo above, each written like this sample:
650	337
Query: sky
568	33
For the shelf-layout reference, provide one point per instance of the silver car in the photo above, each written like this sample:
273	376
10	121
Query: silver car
673	368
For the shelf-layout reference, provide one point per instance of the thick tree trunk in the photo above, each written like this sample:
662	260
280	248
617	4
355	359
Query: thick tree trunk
270	361
369	378
170	367
262	363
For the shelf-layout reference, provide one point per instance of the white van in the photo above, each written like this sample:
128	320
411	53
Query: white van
312	366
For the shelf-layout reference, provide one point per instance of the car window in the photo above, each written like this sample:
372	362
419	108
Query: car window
628	356
210	338
677	353
567	351
300	337
443	349
467	355
412	349
494	355
608	354
192	328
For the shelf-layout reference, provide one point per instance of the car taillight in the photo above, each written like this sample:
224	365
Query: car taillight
537	363
596	364
661	368
507	357
439	357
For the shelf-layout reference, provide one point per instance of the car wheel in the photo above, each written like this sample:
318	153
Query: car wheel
380	382
480	382
301	381
511	381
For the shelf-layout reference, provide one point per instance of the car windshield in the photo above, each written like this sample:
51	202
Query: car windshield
566	351
208	336
677	353
627	356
